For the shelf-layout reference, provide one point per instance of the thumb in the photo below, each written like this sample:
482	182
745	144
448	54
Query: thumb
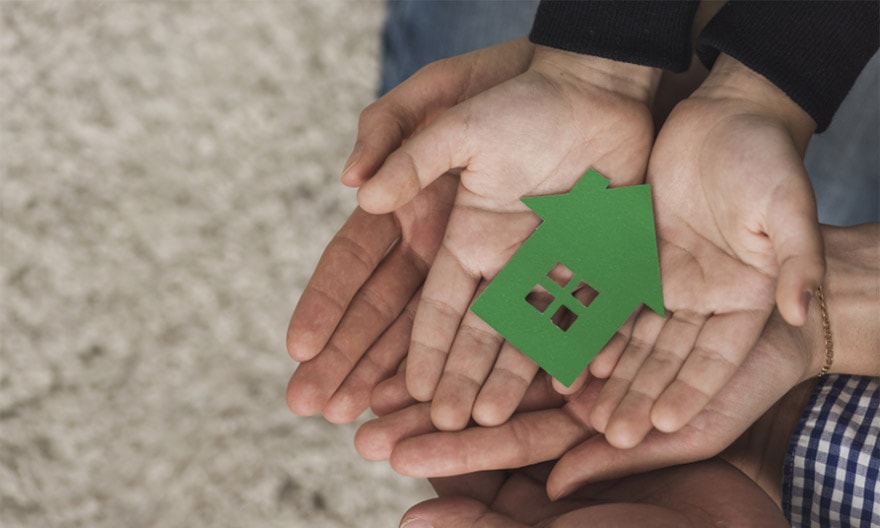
595	460
793	228
456	512
423	158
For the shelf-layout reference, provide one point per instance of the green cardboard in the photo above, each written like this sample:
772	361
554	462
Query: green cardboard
606	237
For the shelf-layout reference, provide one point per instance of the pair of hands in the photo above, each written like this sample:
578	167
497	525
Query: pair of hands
551	438
444	159
593	476
669	497
474	93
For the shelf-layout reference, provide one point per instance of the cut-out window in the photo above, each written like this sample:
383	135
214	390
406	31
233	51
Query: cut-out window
562	296
560	274
564	318
540	298
584	293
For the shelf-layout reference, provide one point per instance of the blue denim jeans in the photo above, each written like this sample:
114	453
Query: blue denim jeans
843	162
418	32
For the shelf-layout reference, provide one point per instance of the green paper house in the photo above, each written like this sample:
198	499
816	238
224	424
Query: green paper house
595	240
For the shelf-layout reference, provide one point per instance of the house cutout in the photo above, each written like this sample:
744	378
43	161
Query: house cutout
576	280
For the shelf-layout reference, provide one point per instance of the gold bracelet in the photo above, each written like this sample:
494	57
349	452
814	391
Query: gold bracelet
826	326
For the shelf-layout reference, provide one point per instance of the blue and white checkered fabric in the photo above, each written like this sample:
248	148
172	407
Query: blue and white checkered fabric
833	460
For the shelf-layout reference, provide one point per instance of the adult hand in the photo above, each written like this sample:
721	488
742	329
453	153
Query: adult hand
533	134
681	496
352	324
351	327
737	228
548	429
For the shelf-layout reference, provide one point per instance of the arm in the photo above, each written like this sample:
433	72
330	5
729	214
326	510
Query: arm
812	51
735	211
852	295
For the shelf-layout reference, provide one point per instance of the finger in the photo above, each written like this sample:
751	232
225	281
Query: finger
527	438
413	104
793	228
540	395
378	364
631	421
349	260
482	485
446	295
523	497
603	364
391	395
456	512
575	386
378	303
424	157
471	358
375	439
505	387
646	328
586	295
595	460
385	124
726	417
722	346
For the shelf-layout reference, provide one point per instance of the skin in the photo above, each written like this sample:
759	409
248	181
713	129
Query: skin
346	333
738	235
362	298
670	497
734	211
364	291
564	121
550	427
440	355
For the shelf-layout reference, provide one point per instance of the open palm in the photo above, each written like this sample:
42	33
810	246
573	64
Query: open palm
738	235
532	135
351	327
352	323
681	496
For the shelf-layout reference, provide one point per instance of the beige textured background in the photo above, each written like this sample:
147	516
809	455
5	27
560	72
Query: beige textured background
169	178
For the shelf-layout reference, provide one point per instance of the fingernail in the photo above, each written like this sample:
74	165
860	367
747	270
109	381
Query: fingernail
415	522
354	156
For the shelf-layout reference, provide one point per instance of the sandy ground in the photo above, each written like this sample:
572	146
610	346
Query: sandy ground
169	179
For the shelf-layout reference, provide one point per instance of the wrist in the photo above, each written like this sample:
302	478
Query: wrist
731	80
852	298
629	80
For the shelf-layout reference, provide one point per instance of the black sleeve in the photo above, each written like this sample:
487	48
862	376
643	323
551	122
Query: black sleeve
652	33
813	51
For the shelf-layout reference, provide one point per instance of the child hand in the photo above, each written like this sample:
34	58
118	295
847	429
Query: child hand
736	221
534	134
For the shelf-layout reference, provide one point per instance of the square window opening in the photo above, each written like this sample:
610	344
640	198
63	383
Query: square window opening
564	318
560	274
539	298
584	293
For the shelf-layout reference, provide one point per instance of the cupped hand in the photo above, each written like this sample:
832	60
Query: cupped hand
680	496
351	327
352	324
738	234
550	428
534	134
